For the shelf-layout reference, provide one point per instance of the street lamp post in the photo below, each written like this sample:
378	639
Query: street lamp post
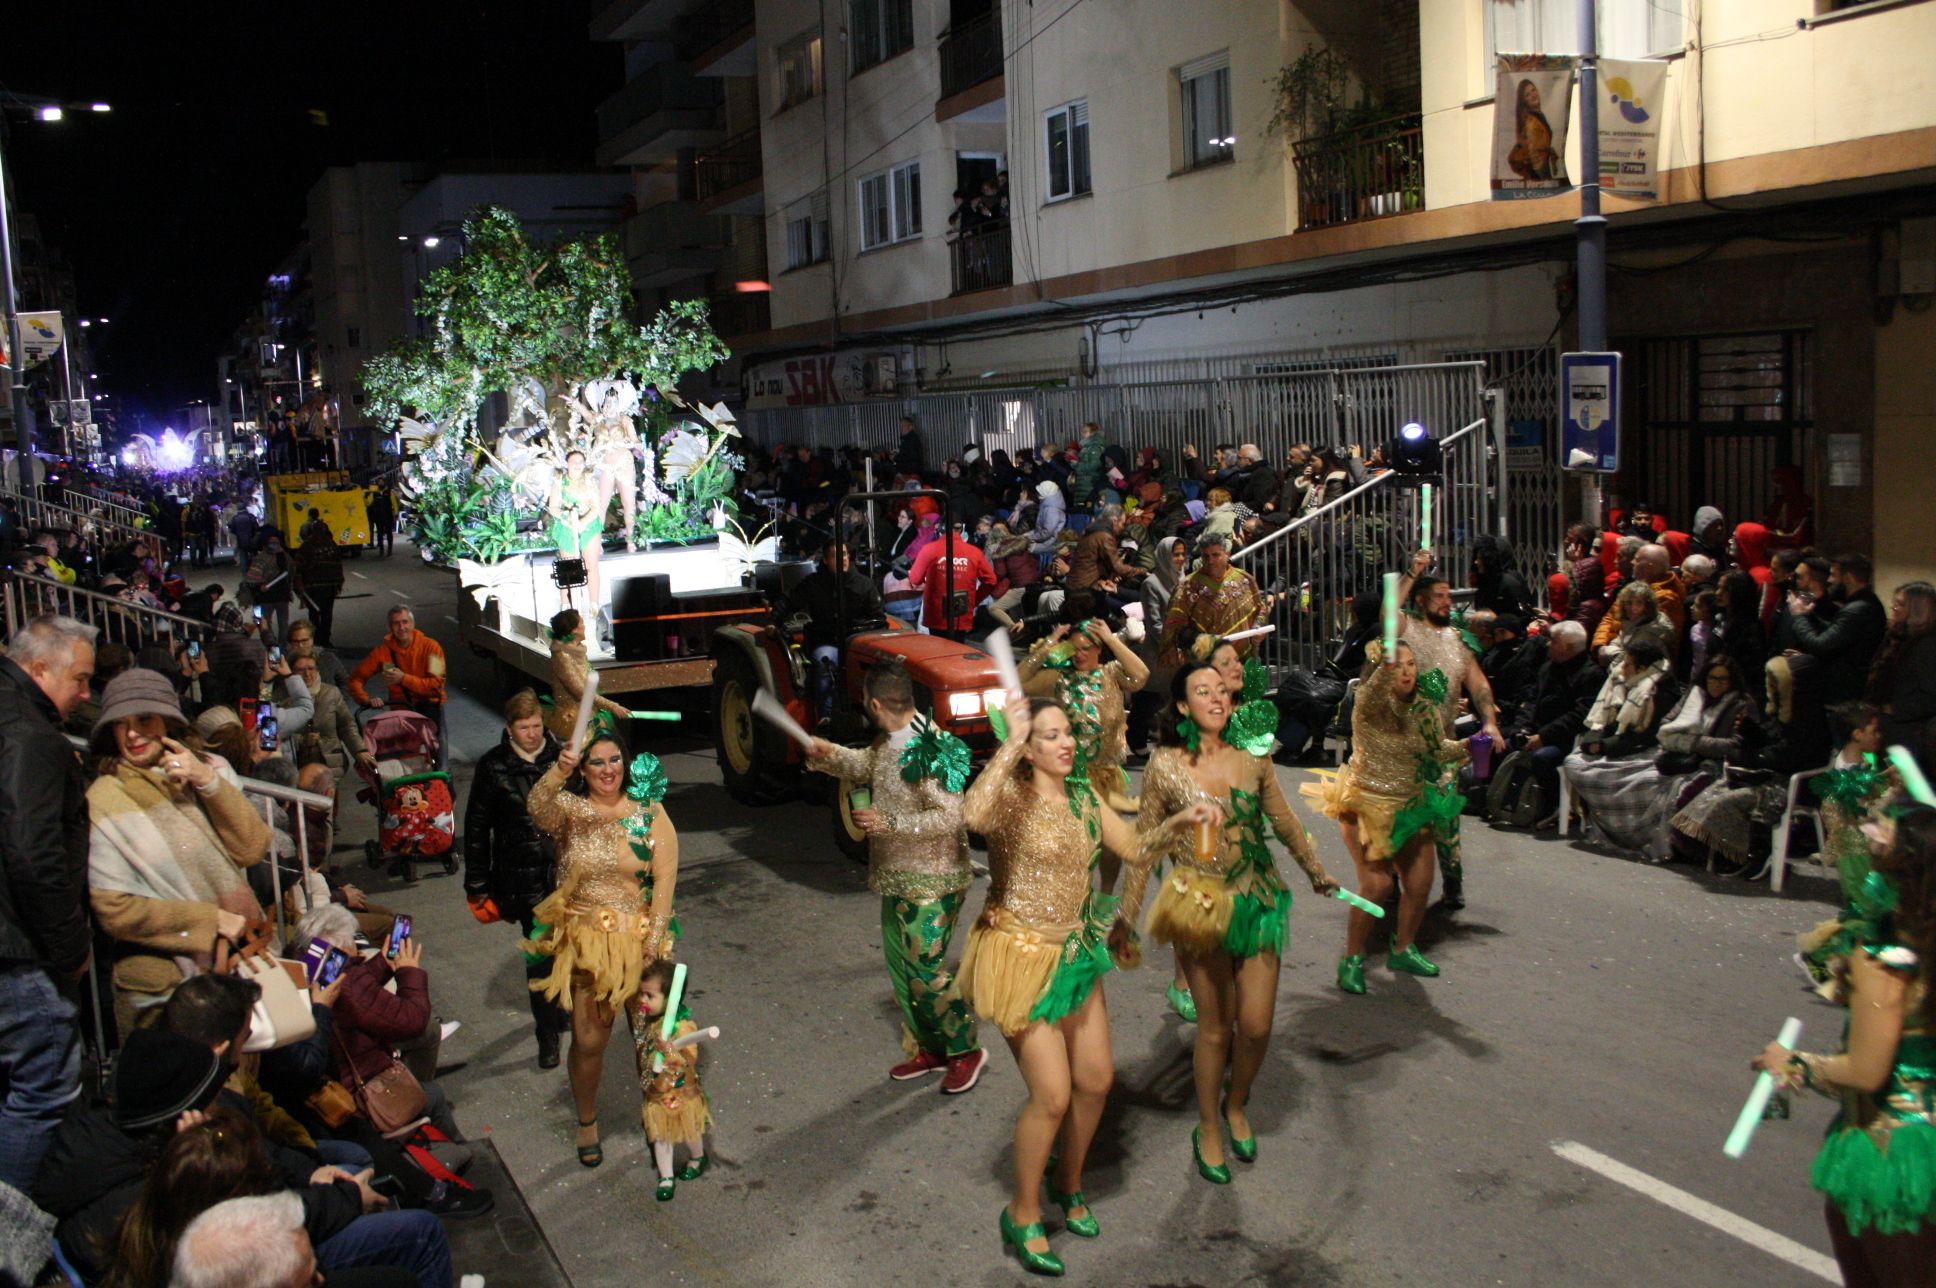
10	306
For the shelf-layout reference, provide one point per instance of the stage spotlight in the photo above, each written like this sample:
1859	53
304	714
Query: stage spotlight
1415	453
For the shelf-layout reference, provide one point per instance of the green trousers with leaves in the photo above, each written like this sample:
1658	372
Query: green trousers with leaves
914	936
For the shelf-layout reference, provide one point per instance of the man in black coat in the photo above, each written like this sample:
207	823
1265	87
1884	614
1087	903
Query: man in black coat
509	864
43	887
1845	644
1510	660
1550	722
1255	483
908	456
818	599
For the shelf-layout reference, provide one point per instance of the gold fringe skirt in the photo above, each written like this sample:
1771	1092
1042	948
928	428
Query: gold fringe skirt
1339	796
1008	966
599	948
682	1115
1192	912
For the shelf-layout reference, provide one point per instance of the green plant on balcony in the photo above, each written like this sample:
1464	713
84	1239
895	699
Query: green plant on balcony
1309	94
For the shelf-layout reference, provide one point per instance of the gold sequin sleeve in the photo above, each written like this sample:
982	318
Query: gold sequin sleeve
988	796
1285	822
1167	790
553	808
849	764
1038	681
664	839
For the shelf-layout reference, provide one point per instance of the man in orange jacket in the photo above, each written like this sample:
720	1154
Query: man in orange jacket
411	665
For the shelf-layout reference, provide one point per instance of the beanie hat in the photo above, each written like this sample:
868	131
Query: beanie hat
136	692
160	1076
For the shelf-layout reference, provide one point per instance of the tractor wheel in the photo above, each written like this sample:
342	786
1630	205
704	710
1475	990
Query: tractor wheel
847	834
746	755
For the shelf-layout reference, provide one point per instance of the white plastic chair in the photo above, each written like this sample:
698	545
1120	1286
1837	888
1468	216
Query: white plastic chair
1566	802
1798	801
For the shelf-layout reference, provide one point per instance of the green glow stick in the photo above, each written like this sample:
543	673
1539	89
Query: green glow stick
1391	618
1764	1087
657	715
1357	901
1425	516
1912	775
671	1020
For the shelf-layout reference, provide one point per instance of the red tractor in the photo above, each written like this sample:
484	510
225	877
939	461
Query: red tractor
955	684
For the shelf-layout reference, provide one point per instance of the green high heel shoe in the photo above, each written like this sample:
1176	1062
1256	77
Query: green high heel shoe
593	1154
1351	973
1412	962
1244	1147
667	1188
695	1168
1017	1237
1085	1226
1182	1003
1218	1175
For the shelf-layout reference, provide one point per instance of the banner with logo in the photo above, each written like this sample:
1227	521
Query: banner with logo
1632	94
1533	99
41	335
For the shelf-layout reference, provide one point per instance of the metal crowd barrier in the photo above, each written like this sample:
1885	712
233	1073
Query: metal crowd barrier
1322	560
25	596
36	513
90	499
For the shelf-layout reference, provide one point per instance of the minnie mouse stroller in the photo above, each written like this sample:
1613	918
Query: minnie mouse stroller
416	814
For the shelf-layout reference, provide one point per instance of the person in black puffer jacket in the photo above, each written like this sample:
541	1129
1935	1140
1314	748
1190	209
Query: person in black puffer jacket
509	864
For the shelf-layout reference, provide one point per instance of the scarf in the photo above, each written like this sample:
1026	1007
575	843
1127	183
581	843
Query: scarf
154	840
1626	705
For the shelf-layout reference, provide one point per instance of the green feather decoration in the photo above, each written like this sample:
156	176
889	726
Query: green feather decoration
1253	727
935	753
1433	685
646	779
1852	788
1186	729
1436	806
1256	681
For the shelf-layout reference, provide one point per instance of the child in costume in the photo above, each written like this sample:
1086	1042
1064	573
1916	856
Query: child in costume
917	861
1877	1165
1068	666
1037	954
1207	806
676	1107
1393	801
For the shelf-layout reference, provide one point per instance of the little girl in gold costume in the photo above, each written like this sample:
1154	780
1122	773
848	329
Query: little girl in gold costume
677	1108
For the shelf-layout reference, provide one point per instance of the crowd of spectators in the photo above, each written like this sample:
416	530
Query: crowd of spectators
137	862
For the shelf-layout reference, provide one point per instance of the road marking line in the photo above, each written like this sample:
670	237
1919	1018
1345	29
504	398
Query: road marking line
1775	1245
359	576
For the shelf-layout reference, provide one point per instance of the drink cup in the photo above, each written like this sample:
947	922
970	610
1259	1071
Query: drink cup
1206	839
861	798
1481	756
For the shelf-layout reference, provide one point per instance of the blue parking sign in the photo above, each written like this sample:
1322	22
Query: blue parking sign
1590	406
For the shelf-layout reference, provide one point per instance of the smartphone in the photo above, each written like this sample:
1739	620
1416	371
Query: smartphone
194	650
275	654
334	963
249	708
267	731
399	931
312	957
258	614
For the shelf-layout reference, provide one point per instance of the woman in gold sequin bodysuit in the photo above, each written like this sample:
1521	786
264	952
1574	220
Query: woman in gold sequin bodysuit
1069	666
1036	957
611	914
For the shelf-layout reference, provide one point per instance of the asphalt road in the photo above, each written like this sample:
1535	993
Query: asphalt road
1406	1137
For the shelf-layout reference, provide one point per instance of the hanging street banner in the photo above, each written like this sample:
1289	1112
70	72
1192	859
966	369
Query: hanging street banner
1633	93
1532	102
1590	405
41	336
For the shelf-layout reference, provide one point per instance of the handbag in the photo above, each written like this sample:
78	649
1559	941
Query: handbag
332	1103
281	1016
393	1102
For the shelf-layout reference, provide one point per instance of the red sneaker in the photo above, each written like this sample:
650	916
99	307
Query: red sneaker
964	1071
919	1067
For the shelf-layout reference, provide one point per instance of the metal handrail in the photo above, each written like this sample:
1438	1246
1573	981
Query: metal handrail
103	612
271	795
52	514
1285	532
113	509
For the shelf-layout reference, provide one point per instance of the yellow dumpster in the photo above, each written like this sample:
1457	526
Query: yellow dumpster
338	503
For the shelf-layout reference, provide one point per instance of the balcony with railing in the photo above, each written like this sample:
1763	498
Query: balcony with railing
1366	172
674	241
718	40
741	313
728	176
663	109
979	259
971	68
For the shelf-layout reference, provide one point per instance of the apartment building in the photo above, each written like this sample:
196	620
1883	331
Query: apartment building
1255	185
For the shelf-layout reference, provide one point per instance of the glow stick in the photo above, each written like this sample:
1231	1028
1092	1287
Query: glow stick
1391	619
1764	1087
1912	775
1358	901
585	702
656	715
710	1034
1425	516
1004	654
1251	633
671	1020
768	708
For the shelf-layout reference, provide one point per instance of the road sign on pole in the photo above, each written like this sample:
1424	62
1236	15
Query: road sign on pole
1590	398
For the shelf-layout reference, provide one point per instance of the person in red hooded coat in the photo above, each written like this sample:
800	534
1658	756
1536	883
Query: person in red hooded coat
969	579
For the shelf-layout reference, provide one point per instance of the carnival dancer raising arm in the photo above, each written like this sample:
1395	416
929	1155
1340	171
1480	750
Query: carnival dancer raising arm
1036	957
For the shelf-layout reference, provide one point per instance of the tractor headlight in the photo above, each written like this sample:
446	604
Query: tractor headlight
994	699
964	706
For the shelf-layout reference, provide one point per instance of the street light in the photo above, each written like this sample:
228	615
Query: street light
430	243
100	107
50	112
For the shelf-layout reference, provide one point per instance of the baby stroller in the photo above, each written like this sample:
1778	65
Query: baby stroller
416	814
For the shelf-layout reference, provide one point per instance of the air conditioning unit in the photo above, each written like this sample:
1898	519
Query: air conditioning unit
880	375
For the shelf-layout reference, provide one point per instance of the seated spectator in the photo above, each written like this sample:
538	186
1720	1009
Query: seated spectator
1903	679
301	642
1749	553
1586	600
1700	736
1551	720
1497	585
1736	632
1845	644
1051	517
1699	573
338	740
1098	564
1709	537
261	1242
171	835
1702	611
1015	567
1634	617
1612	767
1509	657
1220	515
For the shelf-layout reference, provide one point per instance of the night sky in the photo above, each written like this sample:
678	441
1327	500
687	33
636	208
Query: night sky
174	207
